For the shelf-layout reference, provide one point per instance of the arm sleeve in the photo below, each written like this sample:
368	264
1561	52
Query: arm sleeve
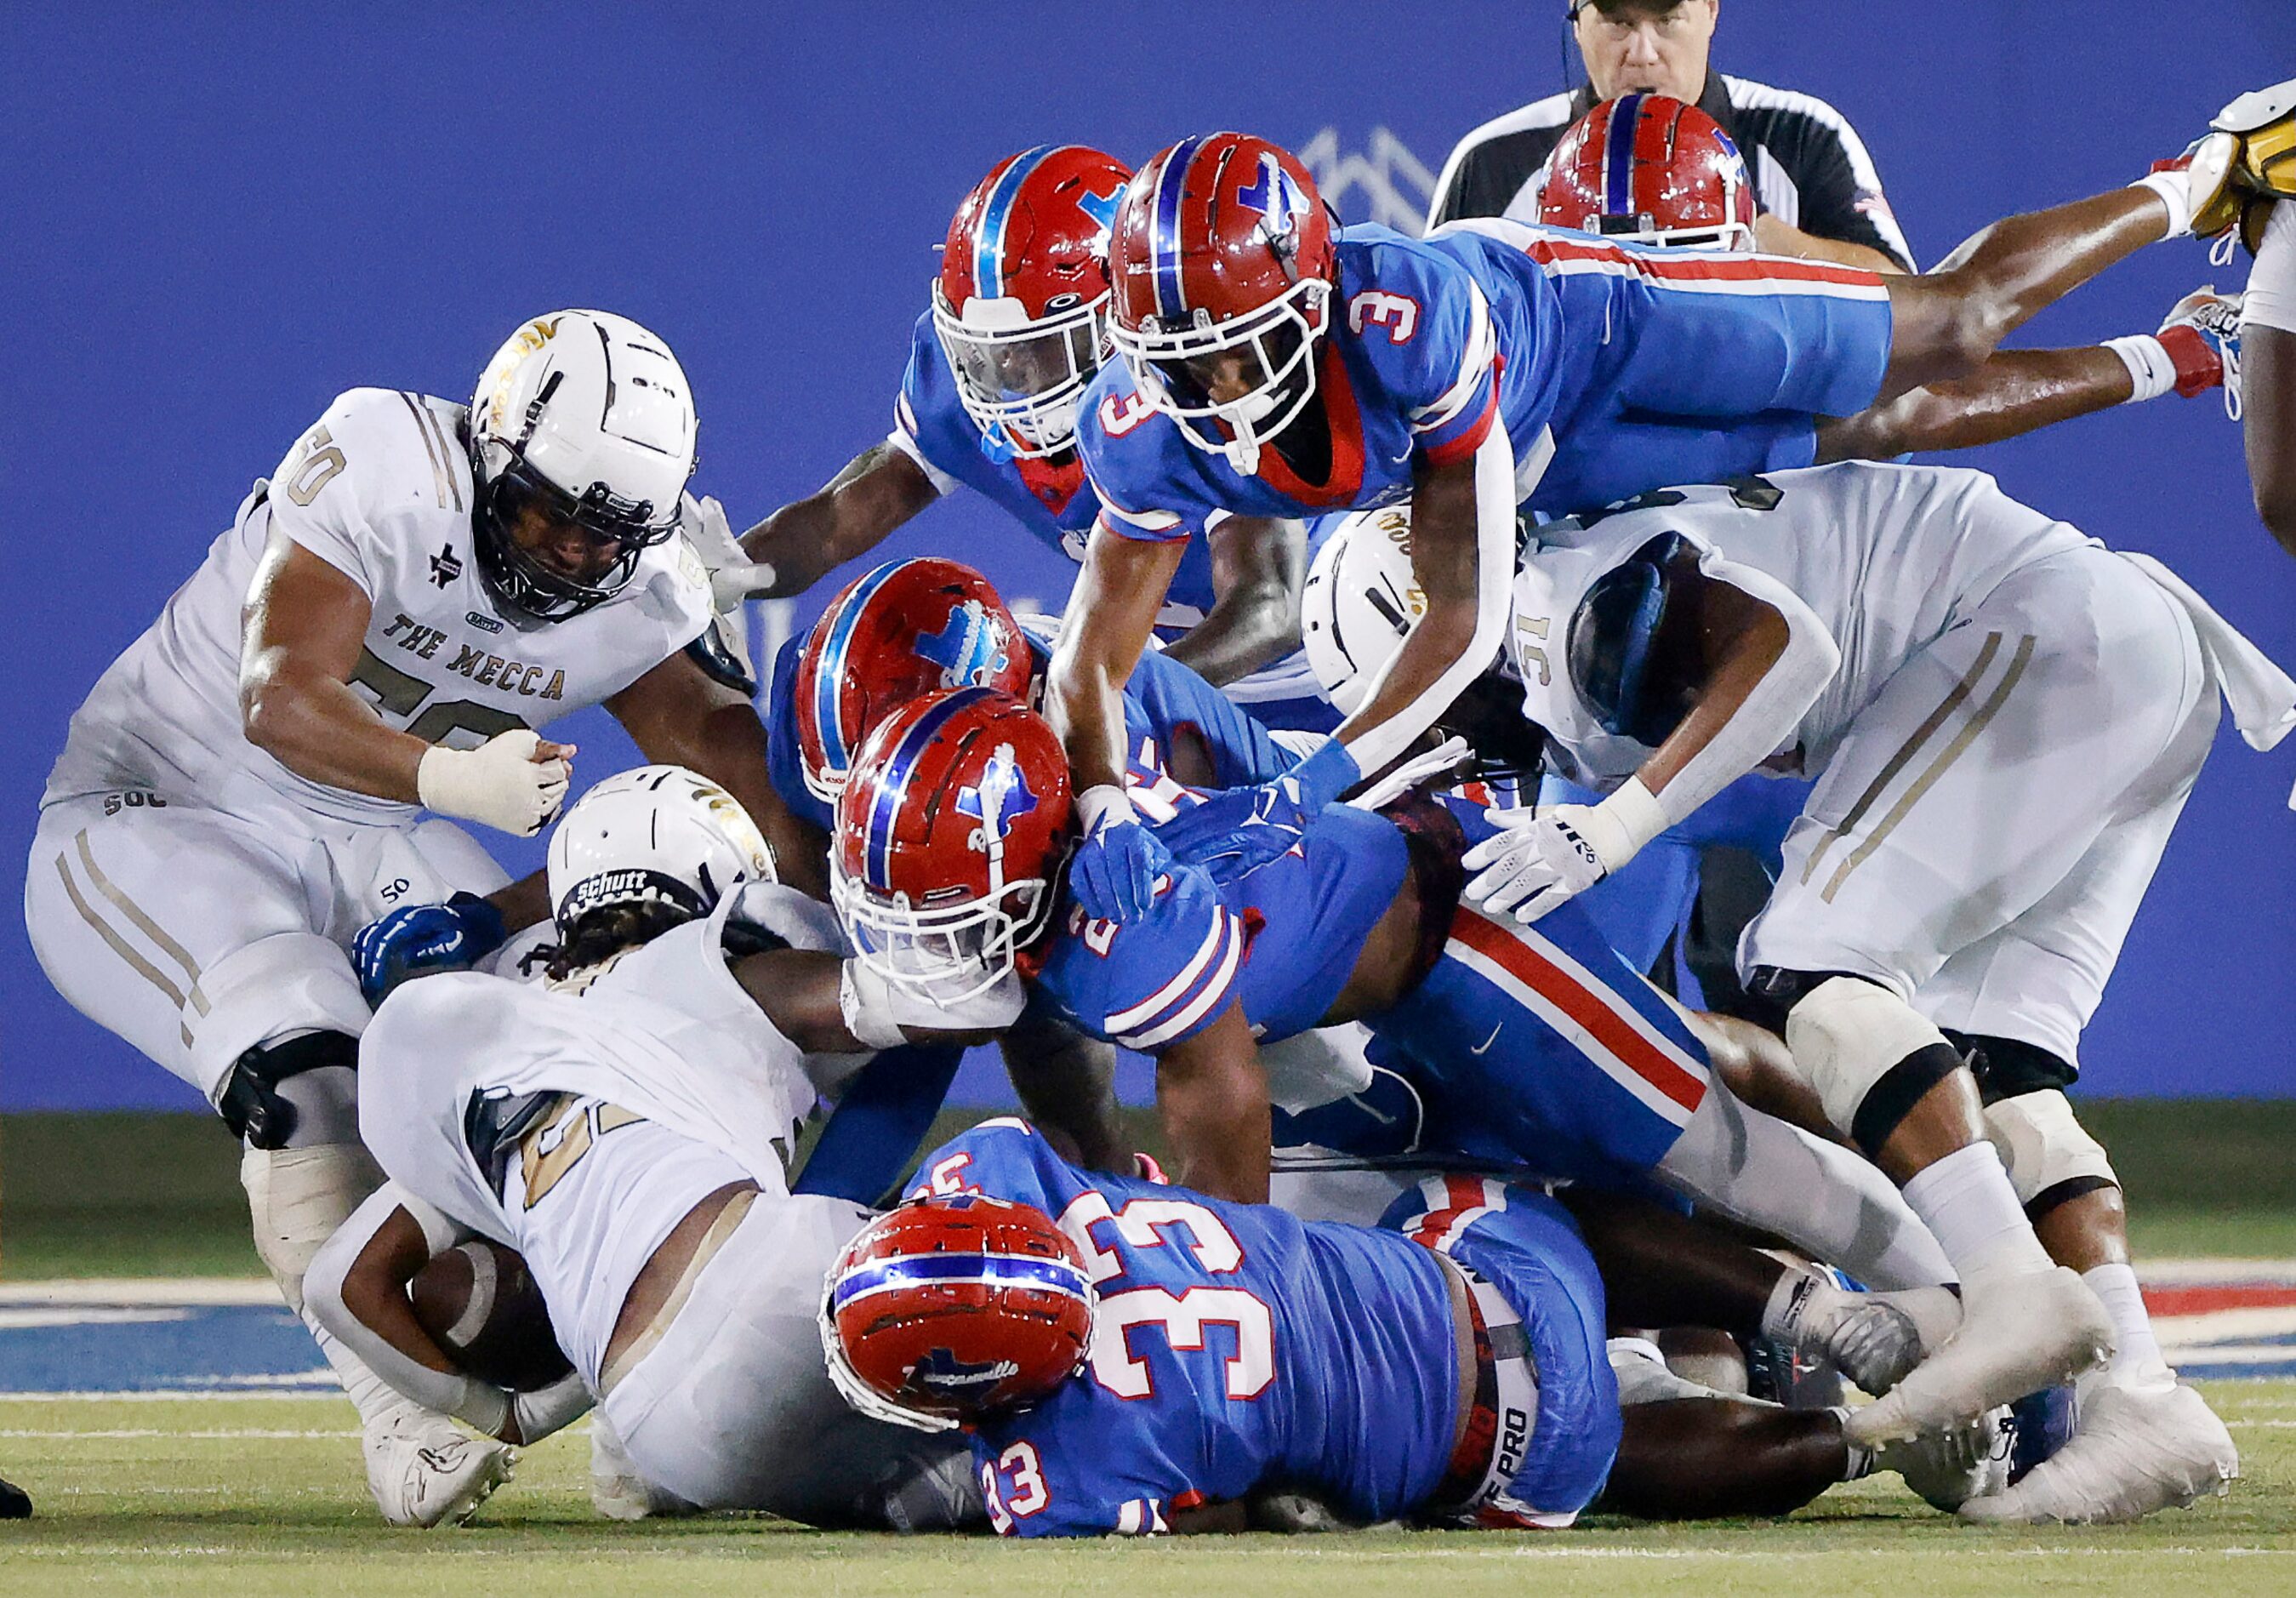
481	1404
1770	713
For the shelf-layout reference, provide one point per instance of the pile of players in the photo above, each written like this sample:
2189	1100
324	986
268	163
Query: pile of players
1610	511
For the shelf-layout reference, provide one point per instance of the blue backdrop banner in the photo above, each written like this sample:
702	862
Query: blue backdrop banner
215	218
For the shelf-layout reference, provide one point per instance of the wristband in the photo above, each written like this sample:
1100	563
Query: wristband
2175	188
1620	828
863	998
2150	369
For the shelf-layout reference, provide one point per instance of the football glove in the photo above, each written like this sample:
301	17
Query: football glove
416	939
1113	874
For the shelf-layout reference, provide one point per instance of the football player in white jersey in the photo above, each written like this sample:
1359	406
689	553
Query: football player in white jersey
377	635
624	1125
2003	719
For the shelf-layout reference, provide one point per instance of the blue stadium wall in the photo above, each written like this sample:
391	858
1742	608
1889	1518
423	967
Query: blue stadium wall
213	219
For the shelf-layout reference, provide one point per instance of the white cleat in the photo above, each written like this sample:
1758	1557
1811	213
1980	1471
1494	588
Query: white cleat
427	1472
2135	1451
1951	1467
2020	1332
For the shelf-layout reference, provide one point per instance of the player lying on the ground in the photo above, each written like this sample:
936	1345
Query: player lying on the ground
624	1125
1274	367
1135	1358
997	370
415	590
2004	720
953	828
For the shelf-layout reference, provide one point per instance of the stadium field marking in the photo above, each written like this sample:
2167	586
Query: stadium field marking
141	1433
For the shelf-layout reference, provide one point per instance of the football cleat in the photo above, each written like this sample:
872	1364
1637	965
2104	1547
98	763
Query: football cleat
2135	1451
2201	335
2264	121
1951	1467
426	1472
2020	1331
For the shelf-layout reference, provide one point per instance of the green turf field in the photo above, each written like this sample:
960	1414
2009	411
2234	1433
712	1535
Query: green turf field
158	1195
265	1496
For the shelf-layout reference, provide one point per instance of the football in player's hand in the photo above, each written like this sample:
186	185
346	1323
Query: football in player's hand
478	1302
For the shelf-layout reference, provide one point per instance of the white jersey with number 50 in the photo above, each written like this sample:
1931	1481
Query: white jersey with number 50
380	489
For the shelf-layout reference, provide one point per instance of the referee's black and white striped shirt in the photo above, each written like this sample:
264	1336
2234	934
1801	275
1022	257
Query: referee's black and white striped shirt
1810	168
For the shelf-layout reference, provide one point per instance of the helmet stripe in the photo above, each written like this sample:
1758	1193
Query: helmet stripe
829	680
1619	156
884	1275
1171	183
893	782
989	238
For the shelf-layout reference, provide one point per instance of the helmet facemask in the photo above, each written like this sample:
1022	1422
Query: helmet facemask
1020	378
515	491
950	952
1276	344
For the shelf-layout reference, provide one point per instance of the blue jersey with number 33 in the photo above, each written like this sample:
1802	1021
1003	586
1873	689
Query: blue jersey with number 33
1235	1348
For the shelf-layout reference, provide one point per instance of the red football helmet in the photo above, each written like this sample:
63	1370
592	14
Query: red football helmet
949	1310
949	836
1651	171
1222	266
906	629
1021	305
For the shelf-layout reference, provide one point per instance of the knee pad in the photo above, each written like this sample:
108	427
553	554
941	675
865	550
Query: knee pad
1869	1055
299	1091
2051	1157
297	1198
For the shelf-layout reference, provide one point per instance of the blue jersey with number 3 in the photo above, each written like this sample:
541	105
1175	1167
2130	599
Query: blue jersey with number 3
1234	1347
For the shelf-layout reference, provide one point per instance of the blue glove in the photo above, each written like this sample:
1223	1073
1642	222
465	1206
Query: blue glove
416	938
1114	869
1234	833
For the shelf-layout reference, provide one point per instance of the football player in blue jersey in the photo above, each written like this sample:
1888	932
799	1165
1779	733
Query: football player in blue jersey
997	367
1276	366
952	831
1134	1358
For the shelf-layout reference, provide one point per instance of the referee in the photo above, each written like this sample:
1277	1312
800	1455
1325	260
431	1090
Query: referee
1819	194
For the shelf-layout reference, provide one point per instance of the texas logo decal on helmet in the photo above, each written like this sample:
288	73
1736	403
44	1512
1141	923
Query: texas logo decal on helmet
906	629
1650	170
1021	303
950	836
1223	248
949	1310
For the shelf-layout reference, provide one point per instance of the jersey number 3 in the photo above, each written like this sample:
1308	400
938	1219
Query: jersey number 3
1397	313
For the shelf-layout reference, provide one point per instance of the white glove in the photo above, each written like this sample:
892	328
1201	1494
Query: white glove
734	576
1547	856
499	783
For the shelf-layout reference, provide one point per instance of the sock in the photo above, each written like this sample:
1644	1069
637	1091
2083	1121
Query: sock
2174	185
1860	1454
2139	1361
379	1404
1800	1299
1967	1202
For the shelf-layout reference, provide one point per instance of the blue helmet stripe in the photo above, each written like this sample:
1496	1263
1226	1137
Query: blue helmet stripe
1171	183
830	680
989	238
1619	156
877	843
1056	1275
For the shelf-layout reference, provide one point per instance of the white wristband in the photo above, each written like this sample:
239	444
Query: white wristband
1624	823
1106	801
2149	367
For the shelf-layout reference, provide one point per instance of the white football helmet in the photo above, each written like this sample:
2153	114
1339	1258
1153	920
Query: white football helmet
589	417
658	834
1360	598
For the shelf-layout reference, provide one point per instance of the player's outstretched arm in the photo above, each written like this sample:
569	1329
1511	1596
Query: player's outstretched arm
1258	566
1211	1095
678	714
2013	393
879	489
